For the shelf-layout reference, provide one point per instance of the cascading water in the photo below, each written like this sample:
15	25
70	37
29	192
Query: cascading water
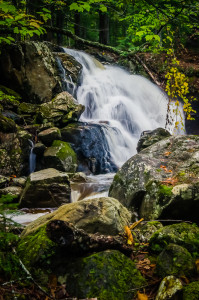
32	158
124	105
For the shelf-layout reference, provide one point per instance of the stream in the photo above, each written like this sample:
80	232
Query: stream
123	106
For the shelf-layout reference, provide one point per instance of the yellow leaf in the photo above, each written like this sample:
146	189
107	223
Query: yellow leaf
129	235
34	24
142	296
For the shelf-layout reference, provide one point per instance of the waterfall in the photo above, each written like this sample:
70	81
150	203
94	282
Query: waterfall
124	104
32	158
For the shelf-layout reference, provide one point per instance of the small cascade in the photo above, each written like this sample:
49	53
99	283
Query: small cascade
32	158
67	82
124	105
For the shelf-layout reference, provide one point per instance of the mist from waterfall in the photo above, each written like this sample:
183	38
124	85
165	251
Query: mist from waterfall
124	104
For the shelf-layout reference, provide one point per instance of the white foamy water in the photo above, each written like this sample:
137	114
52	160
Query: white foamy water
126	104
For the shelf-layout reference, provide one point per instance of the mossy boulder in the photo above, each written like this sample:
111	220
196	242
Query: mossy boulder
7	125
61	157
46	188
107	275
144	231
161	181
104	215
49	135
182	234
62	110
191	291
175	260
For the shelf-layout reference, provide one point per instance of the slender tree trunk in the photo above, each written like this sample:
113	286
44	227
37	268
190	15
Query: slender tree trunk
103	28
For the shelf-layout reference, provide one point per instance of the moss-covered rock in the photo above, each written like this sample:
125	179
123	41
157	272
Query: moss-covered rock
161	181
191	291
144	231
104	215
175	260
61	157
46	188
107	275
183	234
62	110
7	125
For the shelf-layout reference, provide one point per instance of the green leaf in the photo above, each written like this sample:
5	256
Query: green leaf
103	8
16	30
74	6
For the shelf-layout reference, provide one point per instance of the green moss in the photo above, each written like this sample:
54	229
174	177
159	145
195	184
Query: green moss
10	92
36	249
107	275
7	124
64	151
165	190
191	291
183	234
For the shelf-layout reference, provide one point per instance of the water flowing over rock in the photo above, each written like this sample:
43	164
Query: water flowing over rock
31	70
162	180
123	105
46	188
102	215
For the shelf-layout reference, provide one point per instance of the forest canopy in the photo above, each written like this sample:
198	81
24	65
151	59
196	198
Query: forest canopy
127	25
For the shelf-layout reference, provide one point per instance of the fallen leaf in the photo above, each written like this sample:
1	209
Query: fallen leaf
167	153
128	235
142	296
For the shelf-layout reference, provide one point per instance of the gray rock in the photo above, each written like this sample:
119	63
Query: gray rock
49	135
61	157
3	181
161	181
169	288
103	215
39	149
61	110
46	188
151	137
31	70
12	190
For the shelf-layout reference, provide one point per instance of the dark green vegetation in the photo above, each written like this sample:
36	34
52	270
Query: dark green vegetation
128	25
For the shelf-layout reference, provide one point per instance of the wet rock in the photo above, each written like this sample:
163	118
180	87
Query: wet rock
11	190
183	234
21	181
46	188
71	66
169	288
61	157
104	275
103	215
191	291
31	70
62	110
49	135
151	137
175	260
161	182
91	146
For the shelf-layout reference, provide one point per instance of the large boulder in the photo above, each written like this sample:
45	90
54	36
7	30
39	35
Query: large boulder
62	110
31	70
46	188
103	215
104	275
90	144
49	135
162	180
61	157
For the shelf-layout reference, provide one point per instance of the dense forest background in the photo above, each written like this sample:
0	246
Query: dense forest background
128	25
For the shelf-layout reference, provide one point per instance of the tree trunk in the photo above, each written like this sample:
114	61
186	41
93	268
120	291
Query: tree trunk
77	241
103	28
